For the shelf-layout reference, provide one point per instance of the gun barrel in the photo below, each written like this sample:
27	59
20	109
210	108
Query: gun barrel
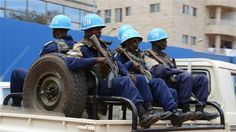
97	45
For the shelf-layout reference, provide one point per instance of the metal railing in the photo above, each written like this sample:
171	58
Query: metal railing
221	22
223	51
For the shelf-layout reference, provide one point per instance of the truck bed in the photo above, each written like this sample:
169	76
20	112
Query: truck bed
19	119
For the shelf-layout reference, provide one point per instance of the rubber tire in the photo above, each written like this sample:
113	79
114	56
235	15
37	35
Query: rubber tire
72	89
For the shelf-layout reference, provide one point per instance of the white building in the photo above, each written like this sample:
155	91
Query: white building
194	24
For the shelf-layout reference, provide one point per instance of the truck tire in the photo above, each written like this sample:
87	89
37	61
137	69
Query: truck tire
51	86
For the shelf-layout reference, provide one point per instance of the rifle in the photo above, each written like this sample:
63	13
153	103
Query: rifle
140	67
151	52
97	45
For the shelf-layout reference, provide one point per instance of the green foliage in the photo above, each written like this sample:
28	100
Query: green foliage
33	16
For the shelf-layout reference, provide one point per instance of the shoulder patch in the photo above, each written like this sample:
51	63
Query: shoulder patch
74	54
77	46
50	42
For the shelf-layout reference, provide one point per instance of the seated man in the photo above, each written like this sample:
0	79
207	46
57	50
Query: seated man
182	81
132	58
86	55
60	25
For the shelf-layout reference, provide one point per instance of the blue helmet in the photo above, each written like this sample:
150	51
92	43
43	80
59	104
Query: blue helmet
156	34
60	21
91	21
128	34
122	30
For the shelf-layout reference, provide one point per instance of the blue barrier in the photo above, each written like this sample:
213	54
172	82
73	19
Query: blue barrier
21	42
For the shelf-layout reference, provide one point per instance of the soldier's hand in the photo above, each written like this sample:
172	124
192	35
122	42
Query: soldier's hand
135	65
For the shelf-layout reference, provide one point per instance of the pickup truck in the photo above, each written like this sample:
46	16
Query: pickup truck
222	99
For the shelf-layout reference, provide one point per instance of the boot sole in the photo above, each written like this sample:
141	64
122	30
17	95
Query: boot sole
213	117
151	121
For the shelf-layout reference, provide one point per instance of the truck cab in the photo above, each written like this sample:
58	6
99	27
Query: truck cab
222	84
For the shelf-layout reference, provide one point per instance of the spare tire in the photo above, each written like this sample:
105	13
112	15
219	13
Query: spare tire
51	86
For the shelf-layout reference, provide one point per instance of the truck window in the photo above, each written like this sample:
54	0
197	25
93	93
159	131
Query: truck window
234	79
205	73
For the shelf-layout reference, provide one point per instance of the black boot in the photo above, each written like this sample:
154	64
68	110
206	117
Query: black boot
91	113
148	107
187	114
204	115
145	118
209	116
16	101
176	119
102	109
166	115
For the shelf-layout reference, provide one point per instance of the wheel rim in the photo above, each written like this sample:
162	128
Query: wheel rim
49	89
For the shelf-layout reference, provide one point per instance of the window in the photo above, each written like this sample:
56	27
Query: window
185	39
194	11
1	13
107	16
72	13
54	9
82	14
19	5
118	15
185	9
234	82
128	11
155	7
226	44
75	26
15	15
36	7
197	72
99	12
1	3
193	40
189	10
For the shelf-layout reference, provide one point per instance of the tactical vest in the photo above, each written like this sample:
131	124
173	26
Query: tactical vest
165	58
138	58
62	46
102	71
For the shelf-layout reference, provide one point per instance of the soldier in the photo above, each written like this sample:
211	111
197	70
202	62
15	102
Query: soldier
60	25
115	84
140	80
181	80
132	58
122	29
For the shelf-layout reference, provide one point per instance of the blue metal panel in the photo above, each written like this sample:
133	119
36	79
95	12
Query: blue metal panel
21	42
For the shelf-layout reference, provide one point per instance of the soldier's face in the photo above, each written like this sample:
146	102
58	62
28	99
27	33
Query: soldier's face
97	31
132	44
56	33
161	44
